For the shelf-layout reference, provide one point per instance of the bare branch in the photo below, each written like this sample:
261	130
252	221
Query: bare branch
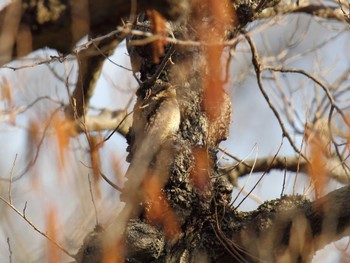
35	227
258	69
277	228
119	121
108	181
313	9
261	177
11	175
15	111
52	59
266	164
10	250
33	160
317	81
346	16
93	199
333	166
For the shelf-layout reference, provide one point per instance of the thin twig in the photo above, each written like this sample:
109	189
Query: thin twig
115	130
34	226
149	37
330	98
110	60
261	177
116	187
292	164
10	250
250	173
92	199
38	147
317	81
19	110
11	175
162	65
258	69
57	76
344	165
234	157
252	196
24	209
235	250
59	58
299	164
284	177
346	16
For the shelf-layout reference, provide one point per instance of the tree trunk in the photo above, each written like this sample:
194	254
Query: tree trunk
196	222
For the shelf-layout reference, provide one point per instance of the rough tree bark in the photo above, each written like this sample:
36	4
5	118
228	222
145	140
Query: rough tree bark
289	229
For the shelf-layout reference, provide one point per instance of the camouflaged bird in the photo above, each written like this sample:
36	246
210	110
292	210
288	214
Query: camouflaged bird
156	119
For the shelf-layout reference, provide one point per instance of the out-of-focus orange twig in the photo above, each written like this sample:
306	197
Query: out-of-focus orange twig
7	96
53	253
200	173
221	14
317	167
160	211
95	160
64	130
158	28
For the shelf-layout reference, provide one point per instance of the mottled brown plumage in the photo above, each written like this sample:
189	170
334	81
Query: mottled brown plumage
156	119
